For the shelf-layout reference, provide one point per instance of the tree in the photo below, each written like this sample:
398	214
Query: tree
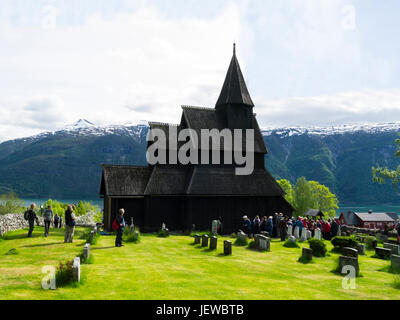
287	187
324	199
380	174
303	196
307	195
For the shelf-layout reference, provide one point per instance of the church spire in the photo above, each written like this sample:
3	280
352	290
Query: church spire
234	90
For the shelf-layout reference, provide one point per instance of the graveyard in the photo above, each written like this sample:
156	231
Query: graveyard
175	268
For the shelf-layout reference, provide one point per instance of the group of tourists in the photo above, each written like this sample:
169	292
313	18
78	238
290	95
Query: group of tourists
329	228
50	218
277	226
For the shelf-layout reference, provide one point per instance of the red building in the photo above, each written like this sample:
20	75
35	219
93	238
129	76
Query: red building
369	220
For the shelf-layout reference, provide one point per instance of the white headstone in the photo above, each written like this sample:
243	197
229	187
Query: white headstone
318	234
214	227
303	234
296	232
86	251
290	230
163	227
309	234
76	270
339	231
292	239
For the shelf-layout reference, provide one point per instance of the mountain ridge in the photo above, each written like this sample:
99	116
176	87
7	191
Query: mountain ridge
66	162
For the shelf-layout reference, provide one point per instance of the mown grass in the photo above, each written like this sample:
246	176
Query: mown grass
173	269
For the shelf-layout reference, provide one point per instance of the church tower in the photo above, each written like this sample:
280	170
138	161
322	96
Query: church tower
234	106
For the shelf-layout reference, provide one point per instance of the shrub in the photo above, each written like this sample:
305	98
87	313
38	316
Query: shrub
164	233
290	244
131	237
371	243
341	242
241	242
12	252
89	260
93	238
64	274
318	247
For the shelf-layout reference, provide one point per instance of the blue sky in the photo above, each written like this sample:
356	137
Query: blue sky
307	62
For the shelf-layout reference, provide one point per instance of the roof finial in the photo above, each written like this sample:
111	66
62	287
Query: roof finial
234	48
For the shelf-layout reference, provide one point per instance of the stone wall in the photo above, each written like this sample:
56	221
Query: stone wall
12	222
371	232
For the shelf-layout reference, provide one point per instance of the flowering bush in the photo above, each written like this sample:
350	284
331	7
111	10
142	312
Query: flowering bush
64	275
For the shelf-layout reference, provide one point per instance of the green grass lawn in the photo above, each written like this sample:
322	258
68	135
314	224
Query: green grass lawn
174	269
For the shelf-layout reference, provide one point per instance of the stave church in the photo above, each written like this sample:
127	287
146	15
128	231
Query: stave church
187	196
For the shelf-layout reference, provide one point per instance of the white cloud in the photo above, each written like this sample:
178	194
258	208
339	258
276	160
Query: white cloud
109	69
368	106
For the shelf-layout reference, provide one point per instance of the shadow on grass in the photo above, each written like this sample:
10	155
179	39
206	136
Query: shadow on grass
103	248
221	255
304	260
389	269
43	245
208	250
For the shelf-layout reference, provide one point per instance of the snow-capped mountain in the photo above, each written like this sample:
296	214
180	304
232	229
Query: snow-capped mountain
332	130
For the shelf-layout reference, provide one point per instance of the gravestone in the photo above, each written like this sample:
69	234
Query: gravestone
76	270
394	247
163	226
383	253
350	252
213	243
318	234
136	234
307	254
86	251
227	247
214	227
296	232
264	243
204	241
257	240
197	239
132	226
289	231
348	261
361	248
242	236
395	262
382	237
309	234
292	239
265	233
339	231
303	235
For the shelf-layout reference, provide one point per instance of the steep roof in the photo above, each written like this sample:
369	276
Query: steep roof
168	180
124	180
374	217
393	215
226	182
234	90
350	218
198	118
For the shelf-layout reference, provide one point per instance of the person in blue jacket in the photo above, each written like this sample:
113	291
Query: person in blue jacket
246	228
120	231
269	226
299	224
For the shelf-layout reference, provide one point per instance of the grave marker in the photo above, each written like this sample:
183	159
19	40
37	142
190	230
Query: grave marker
204	240
76	270
213	243
227	247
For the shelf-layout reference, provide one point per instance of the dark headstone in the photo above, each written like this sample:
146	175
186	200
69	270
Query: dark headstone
204	240
213	243
350	252
361	248
227	247
348	261
383	253
197	239
393	247
307	254
395	262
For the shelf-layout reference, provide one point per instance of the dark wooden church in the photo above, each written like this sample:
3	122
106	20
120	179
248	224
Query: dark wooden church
195	194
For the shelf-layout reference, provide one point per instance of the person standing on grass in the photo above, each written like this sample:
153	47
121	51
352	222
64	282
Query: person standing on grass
60	223
48	217
31	219
69	225
56	220
121	226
